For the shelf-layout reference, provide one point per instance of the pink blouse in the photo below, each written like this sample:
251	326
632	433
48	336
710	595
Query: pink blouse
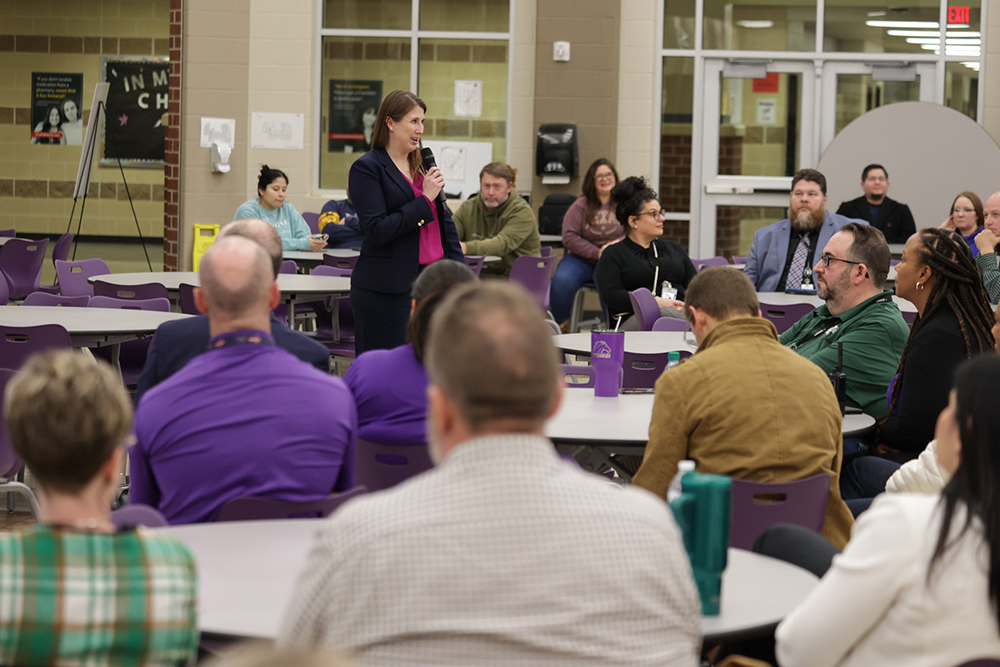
431	249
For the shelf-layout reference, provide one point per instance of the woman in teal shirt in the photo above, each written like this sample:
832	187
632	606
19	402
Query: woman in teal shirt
271	207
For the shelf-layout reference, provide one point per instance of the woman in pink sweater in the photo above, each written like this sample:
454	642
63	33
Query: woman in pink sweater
588	227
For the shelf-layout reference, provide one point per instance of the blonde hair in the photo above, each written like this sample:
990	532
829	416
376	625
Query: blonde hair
66	414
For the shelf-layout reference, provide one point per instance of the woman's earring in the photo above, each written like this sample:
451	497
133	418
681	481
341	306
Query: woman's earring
920	286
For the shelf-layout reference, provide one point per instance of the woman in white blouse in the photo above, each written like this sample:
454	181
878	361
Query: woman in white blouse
919	582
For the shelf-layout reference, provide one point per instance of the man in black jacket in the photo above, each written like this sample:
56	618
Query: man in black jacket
892	218
178	342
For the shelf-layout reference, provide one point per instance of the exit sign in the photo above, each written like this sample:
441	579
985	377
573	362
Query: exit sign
958	15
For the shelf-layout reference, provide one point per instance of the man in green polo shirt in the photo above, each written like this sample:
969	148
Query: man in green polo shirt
859	313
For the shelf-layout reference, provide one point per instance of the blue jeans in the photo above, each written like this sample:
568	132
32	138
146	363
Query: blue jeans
572	272
865	477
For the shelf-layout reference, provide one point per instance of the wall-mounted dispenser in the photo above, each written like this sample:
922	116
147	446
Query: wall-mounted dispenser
557	158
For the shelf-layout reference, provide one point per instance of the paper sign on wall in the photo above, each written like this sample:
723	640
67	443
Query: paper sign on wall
277	130
217	130
767	111
769	84
469	98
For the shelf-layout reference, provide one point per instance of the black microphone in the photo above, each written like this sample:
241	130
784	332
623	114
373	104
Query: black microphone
429	163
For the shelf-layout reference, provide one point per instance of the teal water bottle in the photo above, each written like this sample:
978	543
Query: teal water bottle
702	512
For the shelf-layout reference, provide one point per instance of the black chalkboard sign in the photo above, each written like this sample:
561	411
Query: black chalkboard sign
136	109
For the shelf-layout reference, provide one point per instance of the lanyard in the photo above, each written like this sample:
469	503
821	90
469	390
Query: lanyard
829	330
247	337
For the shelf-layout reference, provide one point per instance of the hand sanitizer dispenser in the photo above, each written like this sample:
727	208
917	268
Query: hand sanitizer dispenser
220	157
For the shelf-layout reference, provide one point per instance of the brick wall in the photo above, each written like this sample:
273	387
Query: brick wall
675	184
172	155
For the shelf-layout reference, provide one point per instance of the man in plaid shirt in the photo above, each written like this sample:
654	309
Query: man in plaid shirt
73	590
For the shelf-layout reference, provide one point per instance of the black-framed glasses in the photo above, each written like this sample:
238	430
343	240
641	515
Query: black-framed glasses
826	259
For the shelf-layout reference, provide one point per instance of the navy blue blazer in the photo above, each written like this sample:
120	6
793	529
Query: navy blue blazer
390	217
178	342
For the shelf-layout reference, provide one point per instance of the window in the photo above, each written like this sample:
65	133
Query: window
372	47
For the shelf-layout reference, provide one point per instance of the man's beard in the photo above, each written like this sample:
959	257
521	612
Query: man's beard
806	220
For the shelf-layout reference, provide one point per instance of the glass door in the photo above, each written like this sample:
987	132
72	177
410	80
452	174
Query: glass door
852	89
759	129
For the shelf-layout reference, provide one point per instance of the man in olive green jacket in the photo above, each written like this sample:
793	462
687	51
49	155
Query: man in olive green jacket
744	405
496	223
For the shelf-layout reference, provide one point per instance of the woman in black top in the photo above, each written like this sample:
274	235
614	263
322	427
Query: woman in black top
937	275
642	258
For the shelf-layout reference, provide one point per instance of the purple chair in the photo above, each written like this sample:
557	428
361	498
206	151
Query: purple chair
288	267
475	262
21	263
340	262
185	294
545	251
131	516
73	276
345	320
4	293
132	353
10	464
784	316
645	308
641	371
131	292
9	233
699	264
46	299
312	219
250	508
19	343
737	259
160	304
569	371
535	275
383	466
756	506
670	324
60	251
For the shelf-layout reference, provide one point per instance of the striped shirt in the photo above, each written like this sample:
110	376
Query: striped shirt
95	599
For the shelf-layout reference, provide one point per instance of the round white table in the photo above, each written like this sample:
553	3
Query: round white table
619	425
247	572
636	342
307	258
782	299
294	288
90	327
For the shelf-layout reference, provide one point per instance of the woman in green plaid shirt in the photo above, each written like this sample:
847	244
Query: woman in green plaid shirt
73	590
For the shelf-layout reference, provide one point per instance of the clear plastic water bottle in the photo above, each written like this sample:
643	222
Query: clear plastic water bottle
668	291
673	358
674	490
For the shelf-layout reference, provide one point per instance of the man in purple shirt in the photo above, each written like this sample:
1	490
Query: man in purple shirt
245	418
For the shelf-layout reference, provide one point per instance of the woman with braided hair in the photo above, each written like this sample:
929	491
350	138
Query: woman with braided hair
938	275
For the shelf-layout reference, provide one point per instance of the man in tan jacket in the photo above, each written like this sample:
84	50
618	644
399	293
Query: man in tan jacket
744	405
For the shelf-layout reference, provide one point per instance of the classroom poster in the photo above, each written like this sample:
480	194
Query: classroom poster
353	110
56	108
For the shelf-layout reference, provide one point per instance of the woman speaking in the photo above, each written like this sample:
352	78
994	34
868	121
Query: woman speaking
404	224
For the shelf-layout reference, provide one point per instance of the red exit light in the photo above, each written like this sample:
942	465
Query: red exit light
958	15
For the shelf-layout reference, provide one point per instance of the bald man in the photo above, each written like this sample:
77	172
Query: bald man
180	341
244	418
987	241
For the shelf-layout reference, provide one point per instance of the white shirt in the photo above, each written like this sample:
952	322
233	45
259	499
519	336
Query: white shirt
874	606
502	555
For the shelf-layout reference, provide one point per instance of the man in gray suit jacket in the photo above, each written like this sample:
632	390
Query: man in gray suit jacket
773	257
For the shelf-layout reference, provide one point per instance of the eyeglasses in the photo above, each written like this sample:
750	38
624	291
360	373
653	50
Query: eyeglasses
604	177
656	215
826	259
